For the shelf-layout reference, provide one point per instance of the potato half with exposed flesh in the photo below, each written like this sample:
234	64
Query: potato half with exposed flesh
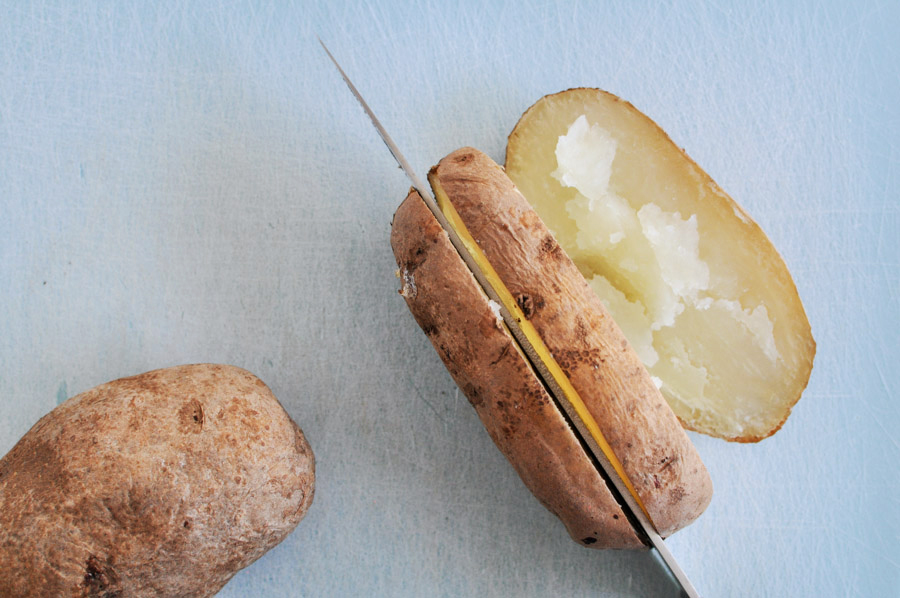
697	287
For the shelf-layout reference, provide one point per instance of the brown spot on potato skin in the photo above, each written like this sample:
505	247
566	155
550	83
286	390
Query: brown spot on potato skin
550	247
526	304
571	360
191	417
529	304
473	394
100	579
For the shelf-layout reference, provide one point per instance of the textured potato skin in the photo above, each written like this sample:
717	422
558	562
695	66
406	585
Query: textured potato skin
511	402
641	428
162	484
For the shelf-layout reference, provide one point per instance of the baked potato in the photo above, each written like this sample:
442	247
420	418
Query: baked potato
161	484
699	290
573	334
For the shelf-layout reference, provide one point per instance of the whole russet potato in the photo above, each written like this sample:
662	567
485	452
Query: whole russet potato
162	484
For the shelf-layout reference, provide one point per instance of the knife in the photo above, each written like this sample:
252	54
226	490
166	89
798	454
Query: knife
629	501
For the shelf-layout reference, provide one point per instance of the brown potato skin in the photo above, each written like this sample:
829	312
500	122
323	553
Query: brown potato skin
511	402
641	428
162	484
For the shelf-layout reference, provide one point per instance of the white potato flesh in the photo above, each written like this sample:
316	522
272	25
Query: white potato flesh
696	286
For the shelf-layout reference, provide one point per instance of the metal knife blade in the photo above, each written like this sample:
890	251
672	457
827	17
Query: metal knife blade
631	506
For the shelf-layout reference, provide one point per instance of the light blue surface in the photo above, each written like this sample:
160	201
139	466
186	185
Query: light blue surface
194	183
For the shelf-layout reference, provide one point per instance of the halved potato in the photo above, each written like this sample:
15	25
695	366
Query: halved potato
696	286
584	351
485	361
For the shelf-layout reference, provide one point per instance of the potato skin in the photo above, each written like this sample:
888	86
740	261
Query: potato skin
511	402
162	484
641	428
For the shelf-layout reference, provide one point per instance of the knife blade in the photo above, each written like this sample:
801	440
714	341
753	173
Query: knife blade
629	501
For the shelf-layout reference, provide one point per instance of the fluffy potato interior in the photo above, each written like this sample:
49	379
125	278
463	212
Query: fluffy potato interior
695	285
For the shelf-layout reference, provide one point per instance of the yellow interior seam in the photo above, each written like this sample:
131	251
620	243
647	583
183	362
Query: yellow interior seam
534	337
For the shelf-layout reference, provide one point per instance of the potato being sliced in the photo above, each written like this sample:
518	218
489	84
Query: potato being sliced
696	286
575	338
511	401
